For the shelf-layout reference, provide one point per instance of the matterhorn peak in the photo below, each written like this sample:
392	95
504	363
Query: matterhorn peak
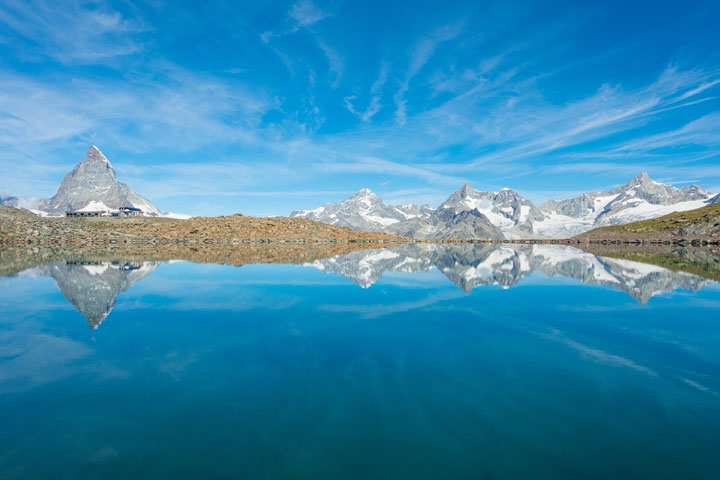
93	182
94	154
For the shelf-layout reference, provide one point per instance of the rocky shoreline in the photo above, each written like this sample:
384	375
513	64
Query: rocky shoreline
14	259
18	227
21	228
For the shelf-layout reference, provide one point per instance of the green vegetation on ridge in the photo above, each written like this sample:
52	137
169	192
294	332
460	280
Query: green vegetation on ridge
703	223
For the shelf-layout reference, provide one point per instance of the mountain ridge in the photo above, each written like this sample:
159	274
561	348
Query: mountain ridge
508	215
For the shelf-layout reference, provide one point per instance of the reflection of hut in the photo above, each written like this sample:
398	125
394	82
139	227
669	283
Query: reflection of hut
129	212
80	213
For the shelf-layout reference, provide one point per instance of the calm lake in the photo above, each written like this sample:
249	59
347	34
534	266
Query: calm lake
417	362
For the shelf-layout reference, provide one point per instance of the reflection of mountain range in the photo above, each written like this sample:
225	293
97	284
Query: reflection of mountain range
472	265
92	287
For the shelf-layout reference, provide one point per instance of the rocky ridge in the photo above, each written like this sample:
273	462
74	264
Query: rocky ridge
364	210
506	214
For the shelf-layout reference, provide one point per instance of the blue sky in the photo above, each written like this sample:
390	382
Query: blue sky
261	108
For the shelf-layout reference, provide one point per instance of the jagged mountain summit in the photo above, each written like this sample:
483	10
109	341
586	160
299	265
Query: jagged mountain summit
473	214
364	210
512	214
93	185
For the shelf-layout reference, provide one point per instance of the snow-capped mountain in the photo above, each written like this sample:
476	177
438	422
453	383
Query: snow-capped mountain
364	211
474	214
93	185
639	199
20	202
471	265
513	215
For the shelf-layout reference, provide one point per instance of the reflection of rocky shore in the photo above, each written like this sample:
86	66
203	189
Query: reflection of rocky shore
93	287
472	265
703	261
17	259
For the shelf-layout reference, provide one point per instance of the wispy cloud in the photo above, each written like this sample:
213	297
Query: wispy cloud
374	105
73	33
700	132
420	54
176	108
306	13
302	14
374	165
598	355
336	64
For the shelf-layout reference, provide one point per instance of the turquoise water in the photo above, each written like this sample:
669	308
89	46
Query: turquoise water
453	364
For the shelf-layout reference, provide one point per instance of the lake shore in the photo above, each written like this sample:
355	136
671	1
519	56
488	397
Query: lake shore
21	228
18	227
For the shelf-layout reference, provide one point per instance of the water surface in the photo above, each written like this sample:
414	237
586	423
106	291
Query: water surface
418	361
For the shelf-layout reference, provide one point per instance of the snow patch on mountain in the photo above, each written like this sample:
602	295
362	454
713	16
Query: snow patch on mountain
639	199
95	206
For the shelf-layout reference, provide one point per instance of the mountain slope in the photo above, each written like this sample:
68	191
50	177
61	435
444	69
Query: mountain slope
701	223
93	185
444	224
512	214
639	199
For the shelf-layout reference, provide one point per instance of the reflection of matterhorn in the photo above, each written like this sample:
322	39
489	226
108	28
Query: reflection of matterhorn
472	265
92	287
